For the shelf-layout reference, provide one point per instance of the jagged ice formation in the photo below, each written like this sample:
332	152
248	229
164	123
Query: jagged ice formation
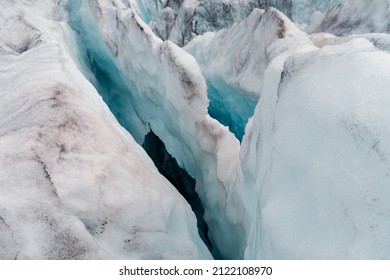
193	129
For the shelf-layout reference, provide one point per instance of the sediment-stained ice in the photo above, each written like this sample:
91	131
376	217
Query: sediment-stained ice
73	183
308	181
354	17
170	94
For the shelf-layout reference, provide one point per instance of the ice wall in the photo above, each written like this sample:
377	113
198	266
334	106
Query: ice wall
317	150
302	187
234	60
302	10
179	177
170	95
73	183
181	23
354	17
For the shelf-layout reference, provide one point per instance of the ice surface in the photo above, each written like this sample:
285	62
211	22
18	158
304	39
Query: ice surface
170	96
179	177
150	10
234	60
309	180
302	10
74	183
215	15
380	40
181	21
96	59
354	17
318	149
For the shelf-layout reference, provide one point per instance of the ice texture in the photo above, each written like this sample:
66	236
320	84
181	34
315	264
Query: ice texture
309	178
170	97
317	148
150	10
302	10
74	183
308	181
354	17
181	21
233	62
380	40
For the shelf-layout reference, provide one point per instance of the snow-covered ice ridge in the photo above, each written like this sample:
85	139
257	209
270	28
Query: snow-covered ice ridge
284	128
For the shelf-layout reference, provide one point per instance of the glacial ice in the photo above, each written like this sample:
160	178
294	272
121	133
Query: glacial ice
181	21
167	82
379	40
302	10
233	62
308	180
179	177
74	184
322	193
354	17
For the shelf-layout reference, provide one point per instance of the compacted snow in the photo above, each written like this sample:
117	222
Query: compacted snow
270	117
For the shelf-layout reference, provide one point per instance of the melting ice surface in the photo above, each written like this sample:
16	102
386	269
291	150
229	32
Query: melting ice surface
229	107
258	139
103	72
98	65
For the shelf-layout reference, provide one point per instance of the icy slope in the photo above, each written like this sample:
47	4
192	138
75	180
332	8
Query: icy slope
73	183
318	152
233	62
170	96
354	17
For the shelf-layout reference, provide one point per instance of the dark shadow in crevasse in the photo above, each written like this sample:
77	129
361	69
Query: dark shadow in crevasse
98	65
184	183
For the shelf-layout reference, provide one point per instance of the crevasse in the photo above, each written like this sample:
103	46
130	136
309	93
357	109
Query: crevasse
99	66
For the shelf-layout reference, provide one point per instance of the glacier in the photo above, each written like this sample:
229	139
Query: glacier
235	73
334	162
74	183
354	17
194	129
180	21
